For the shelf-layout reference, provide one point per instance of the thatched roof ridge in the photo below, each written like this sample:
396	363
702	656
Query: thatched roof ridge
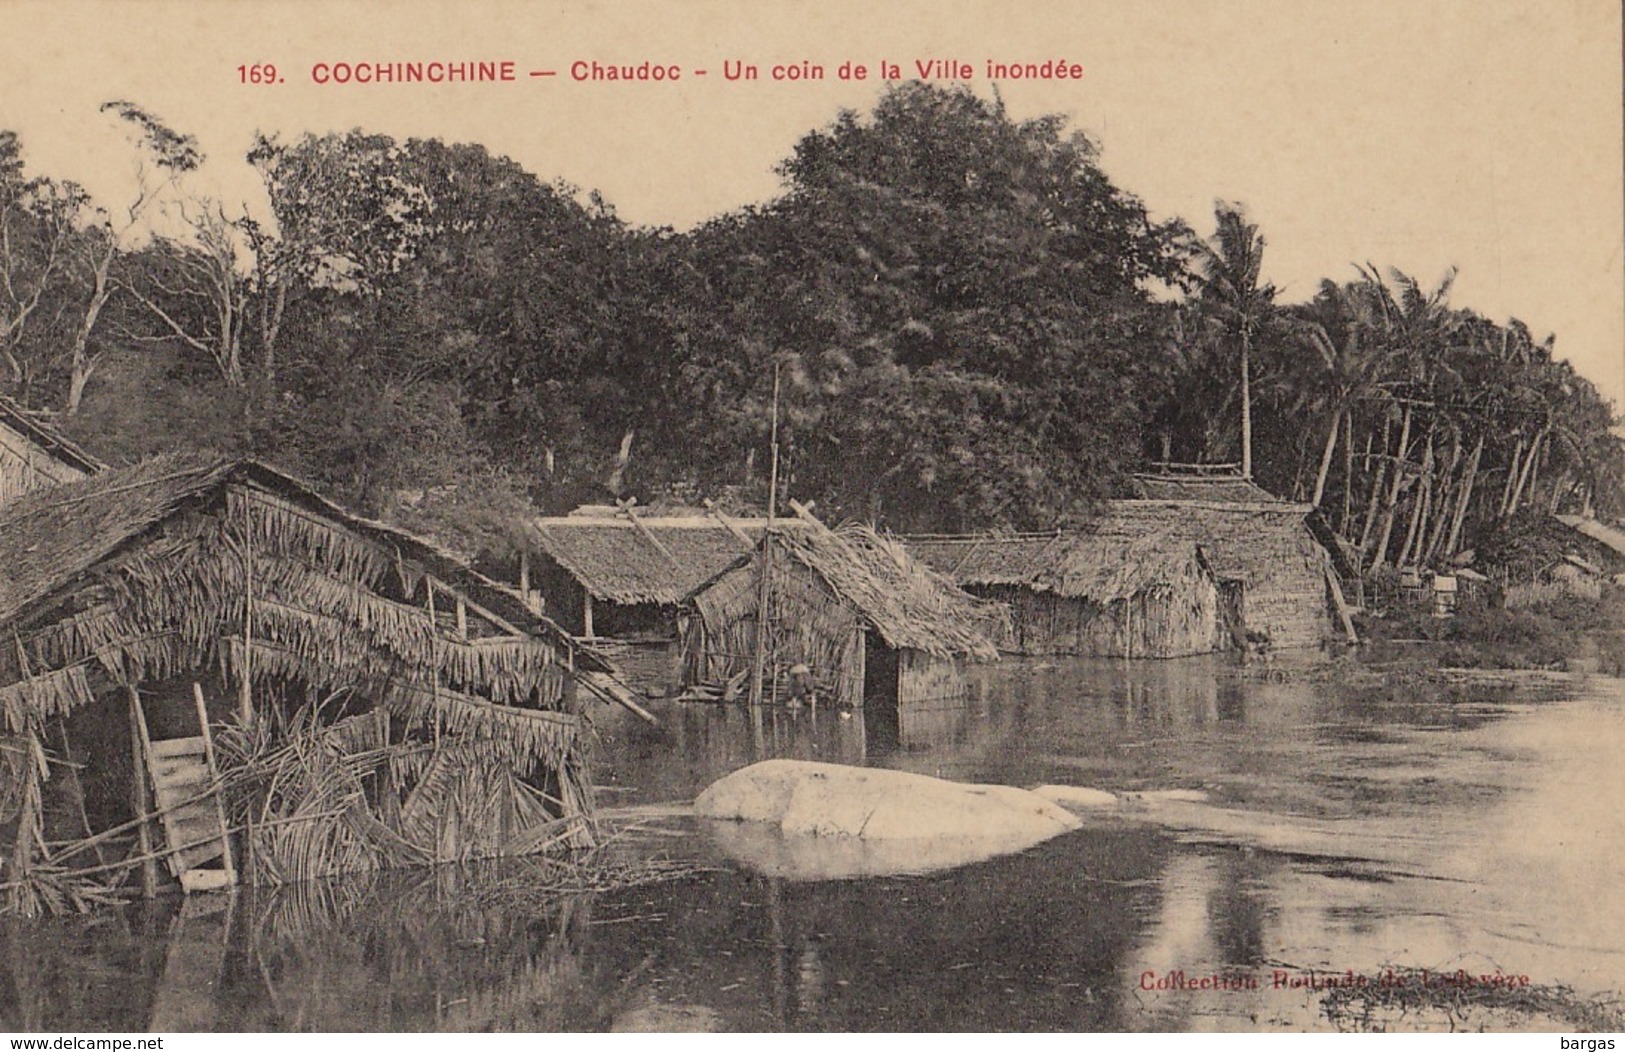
908	603
1597	530
49	538
991	558
1102	565
1225	488
614	559
44	435
1131	545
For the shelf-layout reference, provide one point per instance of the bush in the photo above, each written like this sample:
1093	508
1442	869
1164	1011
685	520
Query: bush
1541	635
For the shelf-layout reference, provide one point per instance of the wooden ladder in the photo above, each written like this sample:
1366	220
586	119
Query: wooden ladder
187	797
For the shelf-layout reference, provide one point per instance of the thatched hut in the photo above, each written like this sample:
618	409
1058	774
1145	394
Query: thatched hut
208	662
1284	588
34	454
868	622
1596	542
622	574
1109	592
1153	578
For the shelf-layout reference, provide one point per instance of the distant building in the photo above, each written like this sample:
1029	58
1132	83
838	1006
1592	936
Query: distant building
1596	541
1152	578
1112	592
33	454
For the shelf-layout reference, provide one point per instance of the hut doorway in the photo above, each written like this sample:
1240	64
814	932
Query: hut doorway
1232	614
880	666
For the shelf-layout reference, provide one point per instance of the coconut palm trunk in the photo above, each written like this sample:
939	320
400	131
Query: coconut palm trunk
1464	501
1246	404
1391	505
1326	455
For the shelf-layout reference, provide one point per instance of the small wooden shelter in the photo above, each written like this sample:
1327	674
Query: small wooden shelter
1153	578
206	663
34	454
623	573
869	622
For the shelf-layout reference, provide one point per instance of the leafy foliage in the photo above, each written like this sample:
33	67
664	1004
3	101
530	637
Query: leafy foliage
968	325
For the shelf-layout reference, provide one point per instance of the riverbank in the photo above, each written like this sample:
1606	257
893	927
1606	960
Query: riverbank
1567	633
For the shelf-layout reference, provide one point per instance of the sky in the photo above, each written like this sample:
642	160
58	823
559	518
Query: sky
1483	135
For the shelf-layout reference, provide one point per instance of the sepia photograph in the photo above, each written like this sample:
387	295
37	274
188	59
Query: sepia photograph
674	516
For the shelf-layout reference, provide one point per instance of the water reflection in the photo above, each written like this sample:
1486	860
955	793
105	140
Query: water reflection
1430	826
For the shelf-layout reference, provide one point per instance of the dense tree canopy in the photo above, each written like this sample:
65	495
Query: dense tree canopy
971	325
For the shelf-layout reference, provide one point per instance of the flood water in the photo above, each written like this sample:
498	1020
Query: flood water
1346	828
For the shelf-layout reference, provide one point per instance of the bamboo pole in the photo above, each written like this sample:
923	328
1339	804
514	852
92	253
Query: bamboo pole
606	690
647	534
78	783
1341	605
728	524
105	835
214	774
759	651
139	801
763	598
245	698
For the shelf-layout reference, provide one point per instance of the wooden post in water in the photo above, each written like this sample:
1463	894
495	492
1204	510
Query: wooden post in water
759	654
245	698
140	799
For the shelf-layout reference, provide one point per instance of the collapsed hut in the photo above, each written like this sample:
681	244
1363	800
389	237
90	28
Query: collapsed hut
1154	578
35	455
868	622
207	665
1110	592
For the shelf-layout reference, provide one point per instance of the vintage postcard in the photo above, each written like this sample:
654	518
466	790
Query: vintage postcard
713	515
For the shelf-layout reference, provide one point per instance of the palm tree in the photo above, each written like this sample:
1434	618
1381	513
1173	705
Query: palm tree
1235	300
1415	326
1340	327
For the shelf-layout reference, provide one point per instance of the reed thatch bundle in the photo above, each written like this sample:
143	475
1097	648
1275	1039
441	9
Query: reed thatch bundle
912	606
